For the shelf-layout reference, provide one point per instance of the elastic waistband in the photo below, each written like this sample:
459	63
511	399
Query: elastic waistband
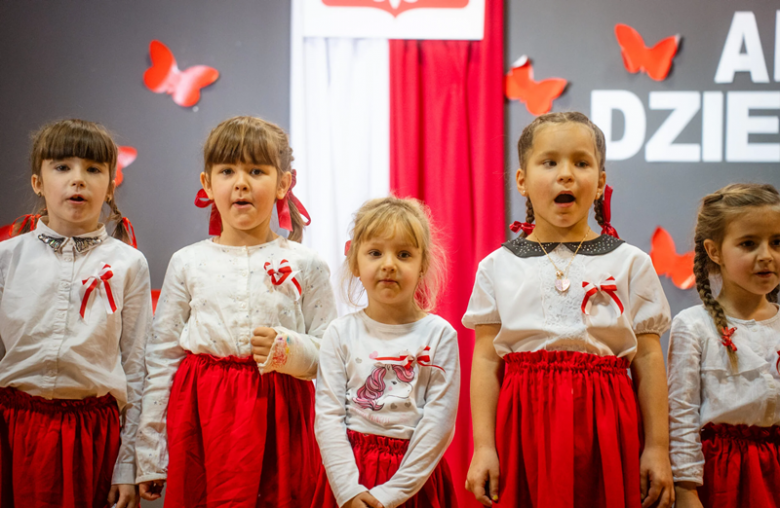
17	399
741	432
383	443
564	360
221	360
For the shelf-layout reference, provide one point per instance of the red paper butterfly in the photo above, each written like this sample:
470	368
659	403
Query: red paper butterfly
655	61
678	267
165	77
538	96
125	157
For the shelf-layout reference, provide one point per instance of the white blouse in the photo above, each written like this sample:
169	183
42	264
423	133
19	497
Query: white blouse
212	298
49	350
399	381
614	281
704	387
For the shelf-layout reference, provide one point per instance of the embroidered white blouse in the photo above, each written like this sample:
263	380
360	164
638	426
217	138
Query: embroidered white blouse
49	350
415	378
212	298
614	282
705	388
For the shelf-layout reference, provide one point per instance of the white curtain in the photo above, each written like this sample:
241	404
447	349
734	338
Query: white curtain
339	132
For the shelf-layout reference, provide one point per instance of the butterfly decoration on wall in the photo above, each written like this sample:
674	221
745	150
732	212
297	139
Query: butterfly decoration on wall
655	61
125	157
164	76
538	96
678	267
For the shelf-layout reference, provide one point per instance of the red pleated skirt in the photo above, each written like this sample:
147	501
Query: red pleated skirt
741	466
378	458
568	432
239	439
57	452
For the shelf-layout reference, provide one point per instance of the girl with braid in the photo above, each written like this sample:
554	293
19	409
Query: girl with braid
75	312
724	385
560	314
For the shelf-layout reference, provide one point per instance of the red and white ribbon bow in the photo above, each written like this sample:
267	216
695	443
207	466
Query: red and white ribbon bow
98	283
283	206
608	286
407	360
281	274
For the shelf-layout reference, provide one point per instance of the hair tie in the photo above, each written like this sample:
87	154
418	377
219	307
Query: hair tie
215	221
31	218
527	227
347	246
130	231
725	336
606	209
283	208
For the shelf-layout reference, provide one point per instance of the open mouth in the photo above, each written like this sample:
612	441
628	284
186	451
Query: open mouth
564	198
241	203
77	199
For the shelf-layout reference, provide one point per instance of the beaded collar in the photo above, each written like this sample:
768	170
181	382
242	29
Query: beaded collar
81	243
523	248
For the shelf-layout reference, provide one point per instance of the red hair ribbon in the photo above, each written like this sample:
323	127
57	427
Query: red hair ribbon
726	334
407	360
92	283
131	231
607	228
777	365
608	287
347	247
283	208
527	227
215	221
31	218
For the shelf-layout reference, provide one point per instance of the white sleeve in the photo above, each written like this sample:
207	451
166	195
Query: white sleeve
482	309
685	351
136	324
163	357
648	308
435	430
295	353
330	421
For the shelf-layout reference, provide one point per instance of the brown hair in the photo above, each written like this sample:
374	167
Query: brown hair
248	139
392	215
717	210
82	139
526	143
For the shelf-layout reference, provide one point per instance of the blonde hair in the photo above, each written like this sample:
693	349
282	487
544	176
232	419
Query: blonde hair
248	139
717	210
76	138
383	217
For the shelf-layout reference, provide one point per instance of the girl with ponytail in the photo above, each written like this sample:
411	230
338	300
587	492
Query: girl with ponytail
75	310
236	337
723	357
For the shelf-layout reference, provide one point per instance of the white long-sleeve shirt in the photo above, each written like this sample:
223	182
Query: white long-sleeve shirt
212	298
49	350
704	386
515	287
420	404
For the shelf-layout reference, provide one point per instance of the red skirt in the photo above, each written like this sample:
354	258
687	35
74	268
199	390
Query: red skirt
378	458
568	432
57	452
741	466
239	439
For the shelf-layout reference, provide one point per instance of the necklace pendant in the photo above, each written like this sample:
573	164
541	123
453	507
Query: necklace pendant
562	285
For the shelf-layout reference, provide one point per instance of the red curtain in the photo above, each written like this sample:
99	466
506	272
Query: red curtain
447	149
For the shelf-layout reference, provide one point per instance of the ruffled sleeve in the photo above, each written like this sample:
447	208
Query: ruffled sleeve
648	308
482	309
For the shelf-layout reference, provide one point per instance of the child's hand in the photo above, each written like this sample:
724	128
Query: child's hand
687	496
363	500
483	470
151	490
123	496
656	484
262	340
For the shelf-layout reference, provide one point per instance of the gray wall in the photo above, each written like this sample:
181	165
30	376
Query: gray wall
574	39
86	59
